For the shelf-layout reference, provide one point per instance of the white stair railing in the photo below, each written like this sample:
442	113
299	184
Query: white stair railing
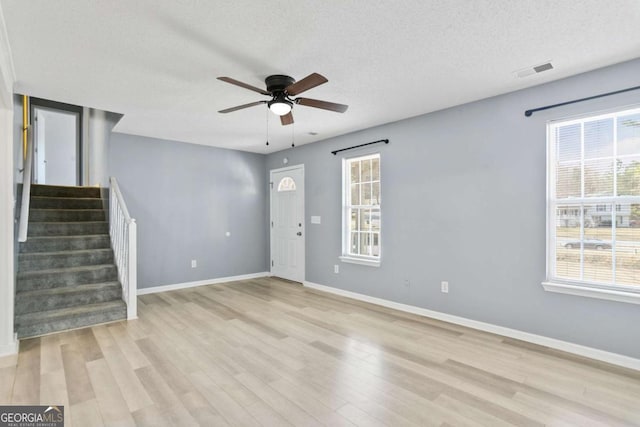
27	177
123	232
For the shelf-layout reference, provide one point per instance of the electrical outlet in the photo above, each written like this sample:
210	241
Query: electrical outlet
194	263
336	268
444	287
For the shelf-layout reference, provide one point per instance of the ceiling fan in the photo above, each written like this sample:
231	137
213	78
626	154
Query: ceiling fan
281	89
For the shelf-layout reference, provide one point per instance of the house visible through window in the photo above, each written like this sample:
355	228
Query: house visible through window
594	202
361	210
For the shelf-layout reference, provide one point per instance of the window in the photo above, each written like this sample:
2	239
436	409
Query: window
287	184
594	206
361	210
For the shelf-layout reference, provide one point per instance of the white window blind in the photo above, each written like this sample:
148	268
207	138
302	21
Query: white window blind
594	201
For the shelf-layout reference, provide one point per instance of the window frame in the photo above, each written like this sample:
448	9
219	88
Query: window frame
347	256
552	283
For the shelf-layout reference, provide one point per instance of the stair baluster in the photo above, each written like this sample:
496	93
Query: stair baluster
123	232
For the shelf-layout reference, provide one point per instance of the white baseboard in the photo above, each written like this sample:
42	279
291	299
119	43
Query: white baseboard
10	348
580	350
164	288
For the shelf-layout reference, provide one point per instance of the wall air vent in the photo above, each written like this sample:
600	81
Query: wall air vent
533	70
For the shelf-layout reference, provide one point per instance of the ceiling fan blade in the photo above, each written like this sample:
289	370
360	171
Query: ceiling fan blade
316	103
244	85
309	82
287	119
240	107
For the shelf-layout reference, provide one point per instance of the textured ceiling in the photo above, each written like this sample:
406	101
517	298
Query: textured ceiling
156	62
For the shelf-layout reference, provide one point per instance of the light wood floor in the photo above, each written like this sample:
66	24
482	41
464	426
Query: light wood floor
268	352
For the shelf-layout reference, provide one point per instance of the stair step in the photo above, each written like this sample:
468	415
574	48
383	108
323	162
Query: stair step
43	202
59	277
67	228
66	273
37	244
64	191
66	215
67	296
63	259
45	322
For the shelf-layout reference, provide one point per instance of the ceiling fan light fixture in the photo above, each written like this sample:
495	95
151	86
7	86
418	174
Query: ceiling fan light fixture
280	105
280	108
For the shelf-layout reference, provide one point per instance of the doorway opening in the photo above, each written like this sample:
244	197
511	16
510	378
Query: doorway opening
57	143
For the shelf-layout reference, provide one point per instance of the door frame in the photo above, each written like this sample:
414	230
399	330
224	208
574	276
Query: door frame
304	222
45	104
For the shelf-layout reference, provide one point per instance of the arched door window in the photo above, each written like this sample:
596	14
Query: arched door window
287	184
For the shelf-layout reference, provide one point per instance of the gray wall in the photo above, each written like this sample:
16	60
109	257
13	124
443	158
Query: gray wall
99	125
463	200
184	198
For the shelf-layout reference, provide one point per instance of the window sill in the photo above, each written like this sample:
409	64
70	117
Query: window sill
361	261
592	292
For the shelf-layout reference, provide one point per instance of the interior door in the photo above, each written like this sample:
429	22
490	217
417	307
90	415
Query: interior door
287	223
57	143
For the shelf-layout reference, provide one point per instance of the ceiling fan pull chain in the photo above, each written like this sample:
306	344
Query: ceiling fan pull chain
293	134
267	110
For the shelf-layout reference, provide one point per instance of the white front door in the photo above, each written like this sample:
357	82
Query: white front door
287	223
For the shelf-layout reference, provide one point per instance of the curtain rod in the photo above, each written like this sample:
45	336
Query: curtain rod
386	141
528	113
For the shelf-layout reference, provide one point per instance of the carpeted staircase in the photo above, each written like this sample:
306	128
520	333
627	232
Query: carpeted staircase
66	273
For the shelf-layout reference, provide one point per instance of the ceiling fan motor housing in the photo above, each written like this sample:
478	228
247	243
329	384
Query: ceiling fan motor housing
278	83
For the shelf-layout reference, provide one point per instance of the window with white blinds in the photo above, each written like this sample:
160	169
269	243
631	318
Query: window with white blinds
361	210
594	201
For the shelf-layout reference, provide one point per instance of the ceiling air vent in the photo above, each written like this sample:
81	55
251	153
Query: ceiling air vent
534	70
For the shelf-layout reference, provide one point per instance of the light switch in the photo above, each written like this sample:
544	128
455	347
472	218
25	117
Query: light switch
315	220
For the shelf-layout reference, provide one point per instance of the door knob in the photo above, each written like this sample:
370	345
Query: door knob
299	233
